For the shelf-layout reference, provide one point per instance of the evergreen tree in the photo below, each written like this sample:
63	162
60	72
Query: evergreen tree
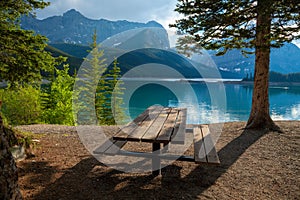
109	105
22	57
22	54
116	88
98	89
224	25
91	78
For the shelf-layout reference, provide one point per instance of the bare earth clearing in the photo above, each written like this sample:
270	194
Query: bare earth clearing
254	165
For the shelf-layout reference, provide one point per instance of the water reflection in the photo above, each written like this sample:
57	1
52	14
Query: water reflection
210	107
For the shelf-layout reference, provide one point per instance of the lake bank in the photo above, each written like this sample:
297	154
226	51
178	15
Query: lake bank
238	81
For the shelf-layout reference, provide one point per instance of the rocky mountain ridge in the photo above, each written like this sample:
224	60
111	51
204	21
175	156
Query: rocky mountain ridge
72	27
285	59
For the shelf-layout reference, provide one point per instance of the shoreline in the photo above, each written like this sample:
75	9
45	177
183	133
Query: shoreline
240	82
270	83
209	80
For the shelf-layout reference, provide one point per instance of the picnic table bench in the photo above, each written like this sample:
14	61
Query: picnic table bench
162	125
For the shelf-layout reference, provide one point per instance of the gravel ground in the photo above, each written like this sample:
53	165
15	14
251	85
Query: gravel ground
48	128
254	165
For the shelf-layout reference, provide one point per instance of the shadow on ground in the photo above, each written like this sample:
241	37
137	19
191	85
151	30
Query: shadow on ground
90	179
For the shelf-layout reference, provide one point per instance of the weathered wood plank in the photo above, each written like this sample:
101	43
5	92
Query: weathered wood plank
211	153
168	127
110	146
104	146
115	148
139	132
128	129
156	126
178	136
199	150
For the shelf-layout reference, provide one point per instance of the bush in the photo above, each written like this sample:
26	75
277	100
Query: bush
21	105
57	99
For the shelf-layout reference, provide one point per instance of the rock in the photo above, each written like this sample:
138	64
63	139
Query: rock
18	152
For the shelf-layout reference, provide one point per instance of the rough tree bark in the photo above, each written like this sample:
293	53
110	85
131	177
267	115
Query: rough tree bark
260	111
9	188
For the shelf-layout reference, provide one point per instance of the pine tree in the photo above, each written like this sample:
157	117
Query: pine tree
99	90
22	57
116	88
22	54
109	108
91	77
224	25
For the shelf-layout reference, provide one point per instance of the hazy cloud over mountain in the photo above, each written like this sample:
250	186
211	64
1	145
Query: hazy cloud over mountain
161	11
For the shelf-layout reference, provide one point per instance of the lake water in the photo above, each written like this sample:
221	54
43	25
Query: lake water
210	102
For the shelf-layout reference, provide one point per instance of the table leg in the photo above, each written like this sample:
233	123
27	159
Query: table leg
156	160
165	148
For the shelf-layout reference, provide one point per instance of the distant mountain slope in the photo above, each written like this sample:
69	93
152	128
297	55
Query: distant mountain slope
232	65
75	28
139	57
283	60
73	61
139	38
74	50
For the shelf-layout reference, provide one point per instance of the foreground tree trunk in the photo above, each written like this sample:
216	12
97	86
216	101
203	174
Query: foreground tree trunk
260	112
9	188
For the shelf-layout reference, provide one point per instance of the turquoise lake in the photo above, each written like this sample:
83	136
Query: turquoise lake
209	102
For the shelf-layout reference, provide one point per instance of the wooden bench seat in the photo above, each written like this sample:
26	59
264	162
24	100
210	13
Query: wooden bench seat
110	147
204	149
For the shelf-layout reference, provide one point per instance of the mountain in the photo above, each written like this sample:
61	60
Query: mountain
158	59
73	61
139	38
72	32
285	59
73	27
73	50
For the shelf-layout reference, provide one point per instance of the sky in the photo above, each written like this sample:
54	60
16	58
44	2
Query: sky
161	11
143	11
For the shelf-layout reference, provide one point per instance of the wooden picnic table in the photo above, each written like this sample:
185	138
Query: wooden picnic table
160	126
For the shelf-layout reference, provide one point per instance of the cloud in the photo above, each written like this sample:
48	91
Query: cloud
161	11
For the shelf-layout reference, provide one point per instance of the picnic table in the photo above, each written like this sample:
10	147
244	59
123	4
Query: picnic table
161	126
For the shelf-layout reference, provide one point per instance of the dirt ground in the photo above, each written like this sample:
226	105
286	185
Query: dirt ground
254	165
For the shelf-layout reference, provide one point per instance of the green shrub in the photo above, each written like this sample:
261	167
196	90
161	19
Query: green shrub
21	105
57	99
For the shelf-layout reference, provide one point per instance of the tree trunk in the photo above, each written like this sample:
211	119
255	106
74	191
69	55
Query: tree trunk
9	188
260	113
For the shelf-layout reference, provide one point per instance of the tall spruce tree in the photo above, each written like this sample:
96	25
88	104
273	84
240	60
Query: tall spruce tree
91	78
99	87
116	92
110	90
224	25
22	57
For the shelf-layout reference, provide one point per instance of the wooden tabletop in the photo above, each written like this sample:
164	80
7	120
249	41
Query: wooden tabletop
156	124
